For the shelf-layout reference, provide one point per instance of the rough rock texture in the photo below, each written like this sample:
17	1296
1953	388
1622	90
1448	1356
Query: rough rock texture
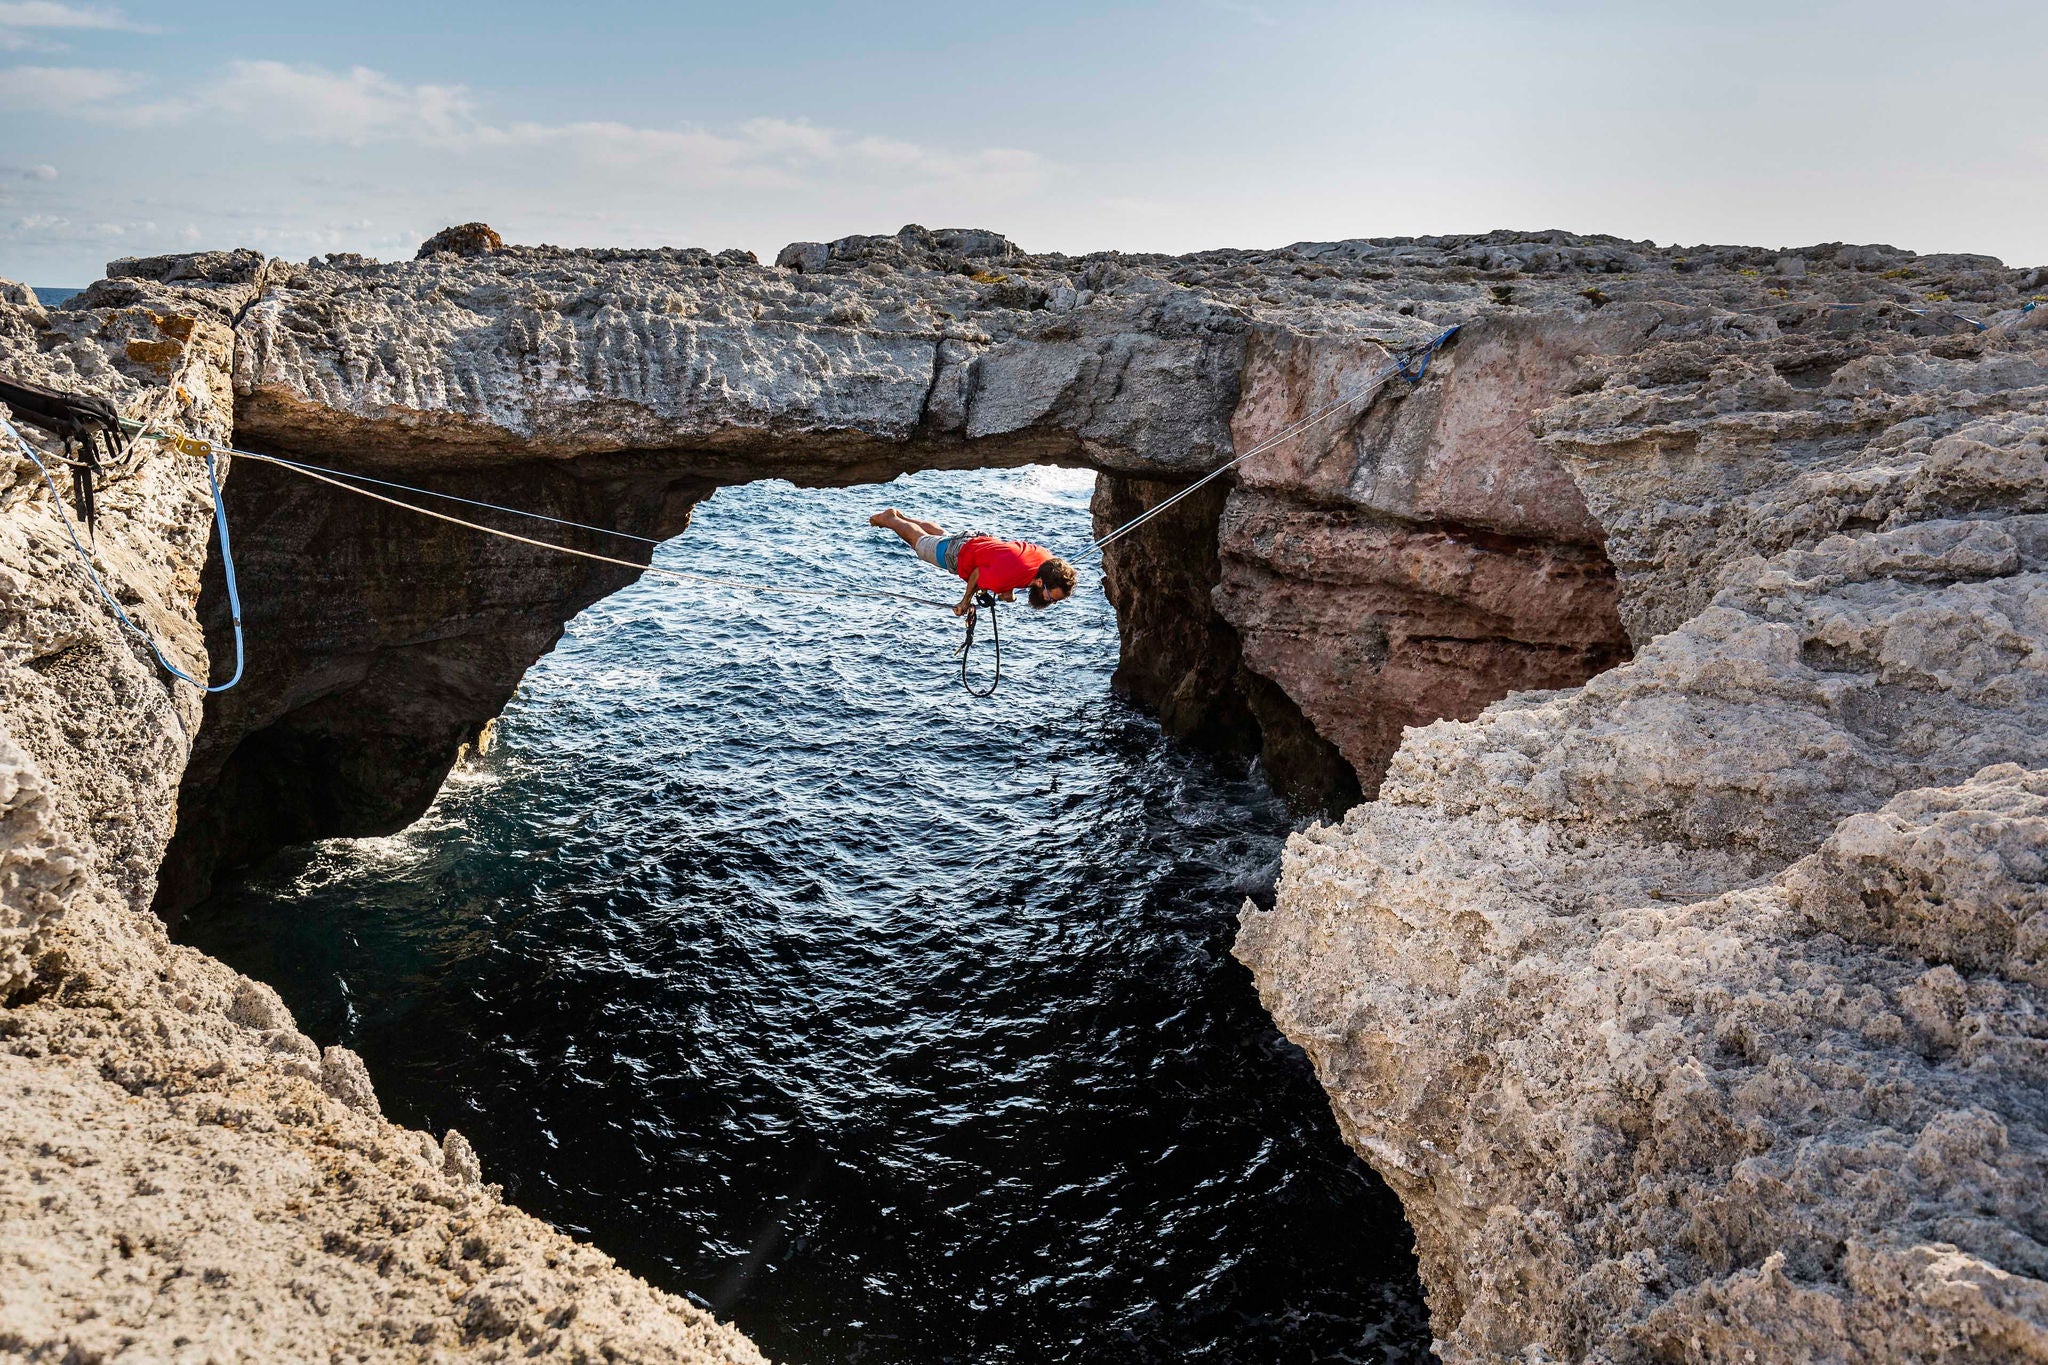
183	1175
90	722
1429	556
1420	560
1693	1012
747	371
1697	1013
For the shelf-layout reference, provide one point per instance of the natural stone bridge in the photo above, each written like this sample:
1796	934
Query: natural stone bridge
1417	560
1692	1012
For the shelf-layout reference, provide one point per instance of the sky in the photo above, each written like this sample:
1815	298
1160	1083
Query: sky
366	126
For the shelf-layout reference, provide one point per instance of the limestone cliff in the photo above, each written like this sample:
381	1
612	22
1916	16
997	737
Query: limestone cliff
620	386
1696	1013
1691	1011
184	1175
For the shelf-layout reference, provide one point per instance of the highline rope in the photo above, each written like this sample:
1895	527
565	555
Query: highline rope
1396	366
681	575
305	468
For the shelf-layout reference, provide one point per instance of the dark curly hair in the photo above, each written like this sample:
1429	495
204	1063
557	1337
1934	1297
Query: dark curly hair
1054	573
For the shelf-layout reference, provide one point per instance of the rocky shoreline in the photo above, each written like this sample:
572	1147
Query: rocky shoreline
1692	1011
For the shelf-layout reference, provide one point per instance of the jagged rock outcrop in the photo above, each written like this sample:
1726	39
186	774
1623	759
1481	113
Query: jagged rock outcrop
184	1175
1697	1012
464	239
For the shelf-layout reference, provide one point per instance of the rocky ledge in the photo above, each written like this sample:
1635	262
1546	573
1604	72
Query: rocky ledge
1692	1011
184	1176
1697	1013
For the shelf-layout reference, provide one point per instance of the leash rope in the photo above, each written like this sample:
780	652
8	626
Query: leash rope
305	468
982	599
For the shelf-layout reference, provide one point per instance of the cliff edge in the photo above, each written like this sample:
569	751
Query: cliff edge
183	1174
1693	1011
1701	1011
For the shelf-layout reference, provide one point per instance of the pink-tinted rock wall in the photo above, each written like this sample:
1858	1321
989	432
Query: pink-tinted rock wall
1425	557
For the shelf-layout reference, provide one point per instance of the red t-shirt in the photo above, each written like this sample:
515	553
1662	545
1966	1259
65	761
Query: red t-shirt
1005	565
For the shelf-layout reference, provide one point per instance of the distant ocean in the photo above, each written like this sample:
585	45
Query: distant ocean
52	297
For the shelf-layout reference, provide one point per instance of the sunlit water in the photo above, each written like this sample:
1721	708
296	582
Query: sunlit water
897	1026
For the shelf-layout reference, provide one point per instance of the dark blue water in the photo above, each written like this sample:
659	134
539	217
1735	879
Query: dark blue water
51	298
896	1026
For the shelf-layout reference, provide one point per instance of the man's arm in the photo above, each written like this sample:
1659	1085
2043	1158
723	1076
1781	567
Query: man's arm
966	601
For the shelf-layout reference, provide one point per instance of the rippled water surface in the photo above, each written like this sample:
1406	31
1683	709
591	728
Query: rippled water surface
896	1026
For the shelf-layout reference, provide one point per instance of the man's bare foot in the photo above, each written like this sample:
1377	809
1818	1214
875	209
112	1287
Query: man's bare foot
885	516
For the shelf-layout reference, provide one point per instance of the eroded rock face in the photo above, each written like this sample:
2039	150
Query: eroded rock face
379	645
1429	556
1691	1012
1696	1012
91	721
1182	660
1421	560
182	1173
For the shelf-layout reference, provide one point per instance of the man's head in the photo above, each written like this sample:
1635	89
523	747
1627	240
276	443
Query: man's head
1054	583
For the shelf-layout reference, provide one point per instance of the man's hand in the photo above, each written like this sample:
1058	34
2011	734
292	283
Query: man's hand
965	606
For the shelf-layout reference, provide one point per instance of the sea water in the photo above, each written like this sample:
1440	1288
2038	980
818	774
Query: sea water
894	1025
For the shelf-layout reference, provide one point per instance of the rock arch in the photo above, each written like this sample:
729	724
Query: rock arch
620	388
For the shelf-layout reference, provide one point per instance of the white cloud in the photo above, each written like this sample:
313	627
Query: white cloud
280	101
273	100
45	14
332	159
277	101
63	89
761	153
359	105
22	21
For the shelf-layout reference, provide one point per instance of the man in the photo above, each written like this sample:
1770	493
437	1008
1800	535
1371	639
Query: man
988	564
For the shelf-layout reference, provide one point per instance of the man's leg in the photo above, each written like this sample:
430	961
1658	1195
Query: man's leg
909	528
